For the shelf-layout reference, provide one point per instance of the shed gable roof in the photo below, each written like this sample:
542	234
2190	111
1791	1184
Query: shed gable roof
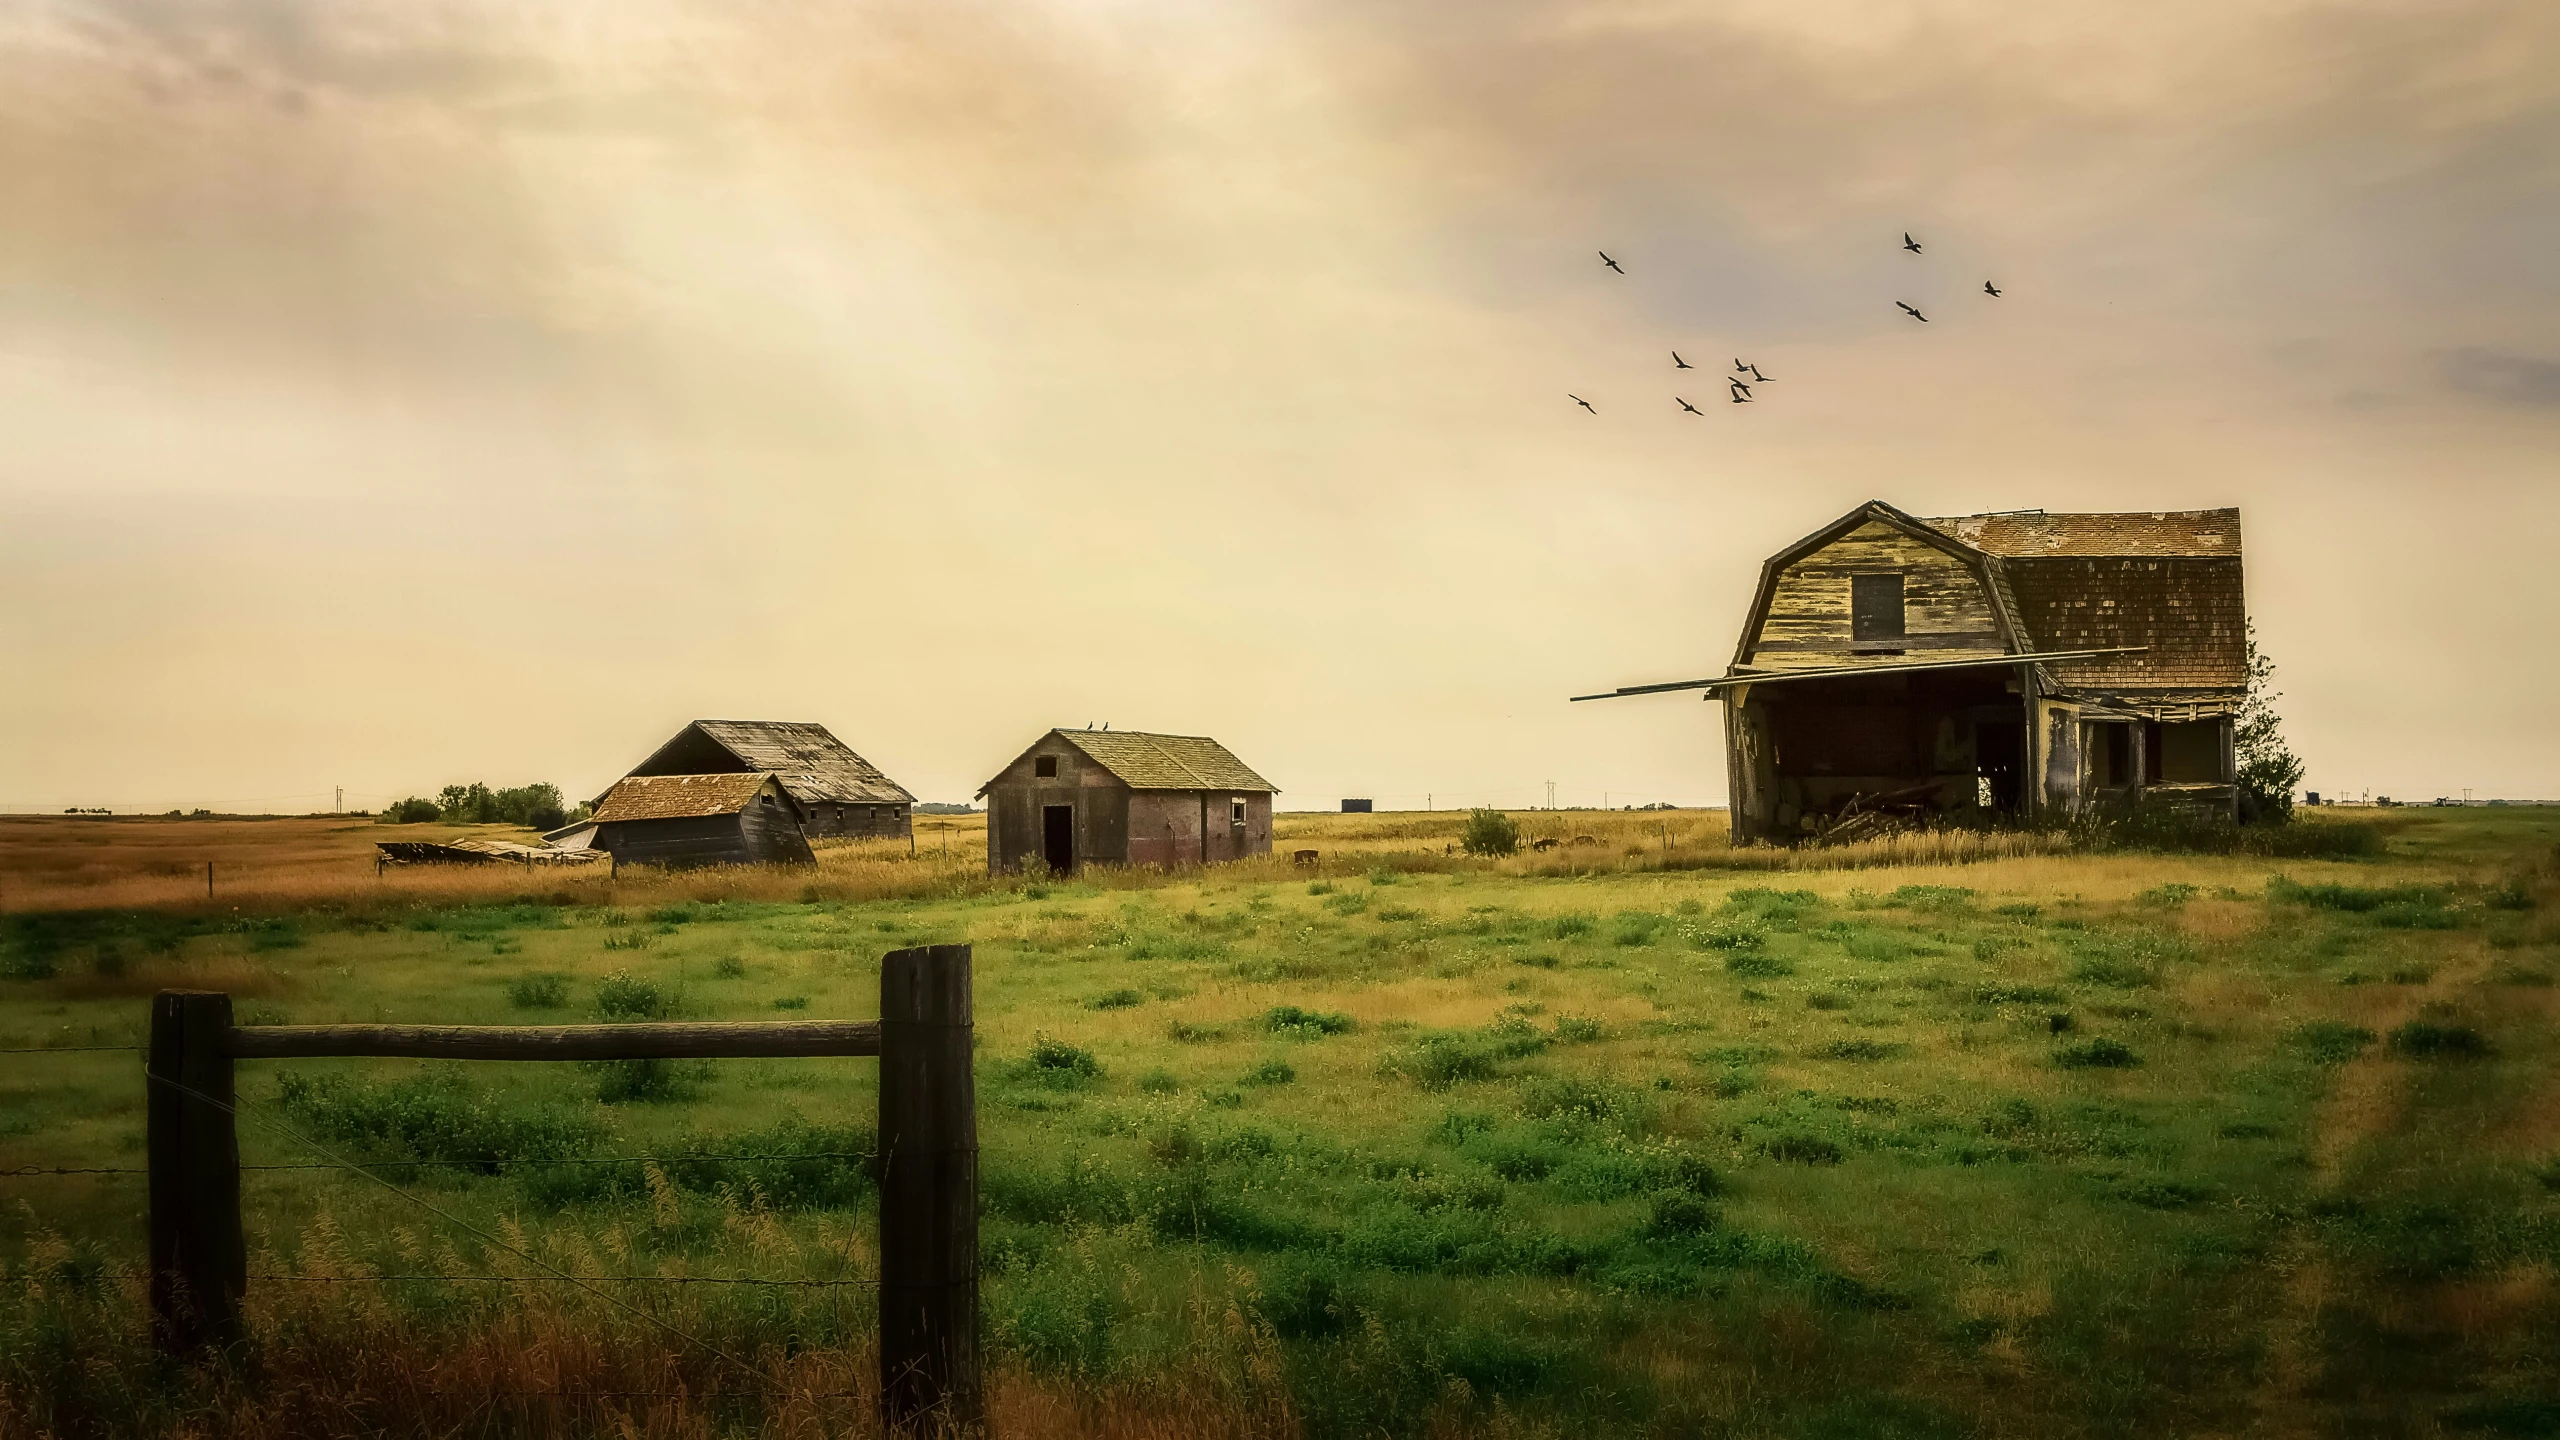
680	797
809	760
2034	534
1163	762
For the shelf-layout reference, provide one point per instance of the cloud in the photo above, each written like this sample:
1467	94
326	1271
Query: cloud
2496	375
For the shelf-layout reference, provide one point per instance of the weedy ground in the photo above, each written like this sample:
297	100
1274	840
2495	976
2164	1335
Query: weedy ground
1613	1138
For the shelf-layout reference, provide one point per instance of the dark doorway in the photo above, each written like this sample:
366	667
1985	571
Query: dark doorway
1999	754
1058	837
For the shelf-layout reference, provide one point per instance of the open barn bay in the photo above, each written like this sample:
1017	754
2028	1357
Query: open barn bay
1618	1134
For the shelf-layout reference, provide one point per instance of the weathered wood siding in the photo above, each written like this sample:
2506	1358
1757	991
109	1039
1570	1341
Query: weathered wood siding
1017	798
858	820
1947	614
754	836
770	830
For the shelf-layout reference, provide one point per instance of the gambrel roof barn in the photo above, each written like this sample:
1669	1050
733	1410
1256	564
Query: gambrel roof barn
2022	664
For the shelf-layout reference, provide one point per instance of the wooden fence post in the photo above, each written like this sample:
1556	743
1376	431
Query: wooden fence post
928	1192
199	1262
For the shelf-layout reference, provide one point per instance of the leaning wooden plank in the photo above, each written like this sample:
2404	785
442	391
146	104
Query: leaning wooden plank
650	1041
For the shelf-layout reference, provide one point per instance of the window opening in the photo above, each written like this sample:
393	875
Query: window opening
1235	811
1875	607
1046	767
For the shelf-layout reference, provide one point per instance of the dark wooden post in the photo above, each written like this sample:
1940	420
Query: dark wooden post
199	1263
928	1192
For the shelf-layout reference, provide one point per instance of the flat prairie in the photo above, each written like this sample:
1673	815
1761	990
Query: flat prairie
1641	1134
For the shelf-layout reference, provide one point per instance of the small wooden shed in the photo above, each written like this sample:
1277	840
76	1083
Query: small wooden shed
681	821
1124	797
840	793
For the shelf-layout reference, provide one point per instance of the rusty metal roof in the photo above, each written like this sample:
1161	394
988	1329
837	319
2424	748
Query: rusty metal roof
2034	534
809	760
679	797
1166	762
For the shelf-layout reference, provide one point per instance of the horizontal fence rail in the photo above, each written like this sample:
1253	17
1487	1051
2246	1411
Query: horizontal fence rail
652	1040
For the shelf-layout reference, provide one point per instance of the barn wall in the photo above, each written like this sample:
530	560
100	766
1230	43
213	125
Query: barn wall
1947	615
857	820
676	844
771	833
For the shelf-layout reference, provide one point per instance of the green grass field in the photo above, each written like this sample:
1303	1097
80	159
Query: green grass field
2048	1145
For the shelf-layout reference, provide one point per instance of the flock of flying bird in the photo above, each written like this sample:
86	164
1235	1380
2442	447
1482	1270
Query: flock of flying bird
1741	388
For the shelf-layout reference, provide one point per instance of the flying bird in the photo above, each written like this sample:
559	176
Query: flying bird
1679	364
1612	264
1692	409
1741	365
1741	392
1910	244
1914	314
1990	289
1756	375
1578	400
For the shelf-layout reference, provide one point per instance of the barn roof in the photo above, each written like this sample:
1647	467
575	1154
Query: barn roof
679	797
805	756
1165	762
2034	534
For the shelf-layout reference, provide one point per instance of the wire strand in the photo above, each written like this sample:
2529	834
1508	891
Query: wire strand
238	1111
856	1284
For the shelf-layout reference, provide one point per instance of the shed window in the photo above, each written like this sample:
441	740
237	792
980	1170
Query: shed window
1875	607
1235	811
1046	767
767	798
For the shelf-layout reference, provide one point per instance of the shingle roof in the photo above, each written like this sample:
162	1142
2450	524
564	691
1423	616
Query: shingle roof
679	797
2033	534
809	760
2188	613
1166	762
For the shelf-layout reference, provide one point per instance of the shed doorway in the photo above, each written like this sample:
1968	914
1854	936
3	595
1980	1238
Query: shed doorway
1058	837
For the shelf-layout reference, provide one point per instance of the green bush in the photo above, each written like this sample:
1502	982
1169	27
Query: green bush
1677	1212
440	1117
1857	1050
416	810
1306	1024
1121	999
647	1082
621	995
1274	1071
2099	1054
1753	965
2329	1042
546	990
2433	1039
1056	1065
1490	832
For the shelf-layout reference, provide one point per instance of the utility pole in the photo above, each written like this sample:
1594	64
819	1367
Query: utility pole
1551	794
1427	806
341	807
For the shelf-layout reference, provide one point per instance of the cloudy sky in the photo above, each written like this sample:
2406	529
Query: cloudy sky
400	393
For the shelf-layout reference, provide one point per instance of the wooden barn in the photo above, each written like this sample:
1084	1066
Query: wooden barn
840	794
2021	665
681	821
1122	797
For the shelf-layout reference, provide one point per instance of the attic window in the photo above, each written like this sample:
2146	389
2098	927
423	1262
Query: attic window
1875	607
767	798
1235	811
1046	767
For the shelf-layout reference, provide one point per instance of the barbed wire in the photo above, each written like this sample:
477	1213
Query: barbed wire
248	1112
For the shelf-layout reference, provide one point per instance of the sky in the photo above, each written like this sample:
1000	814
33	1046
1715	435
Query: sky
400	394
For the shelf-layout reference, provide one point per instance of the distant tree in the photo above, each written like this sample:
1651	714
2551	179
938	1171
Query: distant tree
1490	832
538	806
2268	768
416	810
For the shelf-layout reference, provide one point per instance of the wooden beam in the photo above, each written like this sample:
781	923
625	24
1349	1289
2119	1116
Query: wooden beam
199	1260
928	1195
655	1040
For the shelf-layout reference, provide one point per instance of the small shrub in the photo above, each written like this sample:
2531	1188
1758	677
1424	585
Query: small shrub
646	1082
2430	1039
1056	1065
1319	887
1183	1032
1158	1081
729	967
622	995
1676	1213
1306	1024
1577	1030
1825	1000
1796	1148
1554	1096
1121	999
629	940
1754	965
1274	1071
2018	910
2167	897
1490	832
1436	1062
1396	914
2329	1042
415	810
1636	927
1572	925
791	1002
1857	1050
547	990
1931	897
2100	1054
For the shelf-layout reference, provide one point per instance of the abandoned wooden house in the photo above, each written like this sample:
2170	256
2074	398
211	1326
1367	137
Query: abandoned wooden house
2022	665
1122	797
839	792
682	821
